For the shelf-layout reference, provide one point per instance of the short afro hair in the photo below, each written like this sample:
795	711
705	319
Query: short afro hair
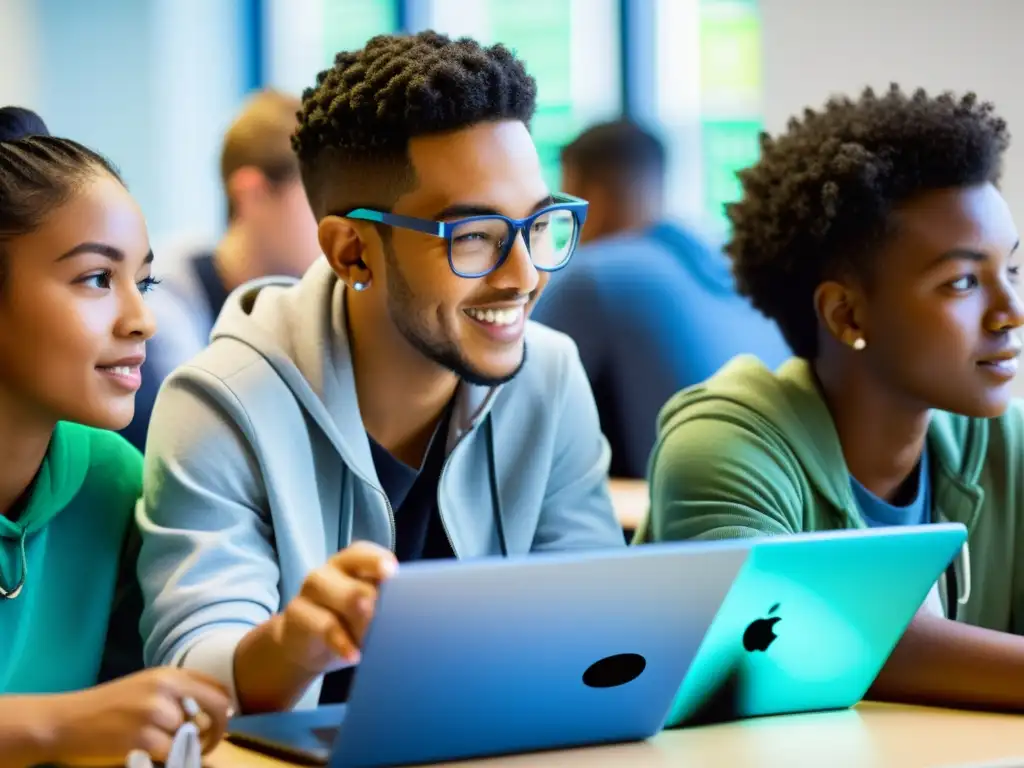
819	200
363	111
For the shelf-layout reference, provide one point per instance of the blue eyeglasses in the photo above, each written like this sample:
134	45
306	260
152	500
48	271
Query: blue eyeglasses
478	245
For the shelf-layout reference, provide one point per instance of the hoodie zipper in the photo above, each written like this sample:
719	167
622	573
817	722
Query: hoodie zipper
444	467
387	503
391	519
440	477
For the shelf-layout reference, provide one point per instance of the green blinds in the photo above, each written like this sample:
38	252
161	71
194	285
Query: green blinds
540	32
348	24
569	46
730	95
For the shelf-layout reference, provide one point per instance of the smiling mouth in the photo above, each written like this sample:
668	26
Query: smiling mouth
127	377
1007	365
501	317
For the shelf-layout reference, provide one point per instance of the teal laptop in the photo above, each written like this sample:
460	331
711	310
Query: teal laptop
810	621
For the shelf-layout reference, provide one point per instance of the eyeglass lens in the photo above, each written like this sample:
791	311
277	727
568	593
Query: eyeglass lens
477	245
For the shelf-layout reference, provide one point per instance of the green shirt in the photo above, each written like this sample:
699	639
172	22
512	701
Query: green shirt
75	622
751	453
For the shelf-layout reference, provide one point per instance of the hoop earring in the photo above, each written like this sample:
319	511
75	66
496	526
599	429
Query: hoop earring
859	343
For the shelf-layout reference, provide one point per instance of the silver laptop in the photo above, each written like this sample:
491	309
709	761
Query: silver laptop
493	656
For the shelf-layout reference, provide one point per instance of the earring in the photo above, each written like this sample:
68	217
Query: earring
859	343
361	286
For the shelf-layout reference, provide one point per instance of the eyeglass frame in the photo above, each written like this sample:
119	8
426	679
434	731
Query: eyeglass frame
446	229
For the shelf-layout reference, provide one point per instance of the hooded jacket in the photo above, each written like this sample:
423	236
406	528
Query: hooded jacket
75	620
752	453
258	469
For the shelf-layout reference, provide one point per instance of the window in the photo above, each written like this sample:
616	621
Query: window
730	87
348	24
570	46
303	36
707	101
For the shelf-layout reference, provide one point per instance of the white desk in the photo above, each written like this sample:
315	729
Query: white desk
869	736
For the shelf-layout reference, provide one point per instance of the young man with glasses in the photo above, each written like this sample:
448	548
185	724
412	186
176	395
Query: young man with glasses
395	404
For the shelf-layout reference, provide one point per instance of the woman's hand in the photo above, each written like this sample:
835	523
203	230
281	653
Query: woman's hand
101	725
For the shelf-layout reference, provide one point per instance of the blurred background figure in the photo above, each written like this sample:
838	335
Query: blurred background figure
619	167
270	231
651	307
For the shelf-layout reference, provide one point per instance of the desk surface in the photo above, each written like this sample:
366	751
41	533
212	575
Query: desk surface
630	499
871	735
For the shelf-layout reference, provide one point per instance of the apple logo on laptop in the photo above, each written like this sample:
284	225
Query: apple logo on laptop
761	632
616	670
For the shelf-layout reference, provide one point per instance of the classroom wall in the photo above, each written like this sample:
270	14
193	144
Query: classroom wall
812	49
150	83
18	75
94	83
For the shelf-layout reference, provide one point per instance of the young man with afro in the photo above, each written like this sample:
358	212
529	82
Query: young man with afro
395	404
873	232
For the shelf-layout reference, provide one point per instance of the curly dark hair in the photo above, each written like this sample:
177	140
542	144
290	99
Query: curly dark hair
359	118
819	200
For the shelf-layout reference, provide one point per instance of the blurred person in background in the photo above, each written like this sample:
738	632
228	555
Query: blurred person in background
271	231
651	307
75	262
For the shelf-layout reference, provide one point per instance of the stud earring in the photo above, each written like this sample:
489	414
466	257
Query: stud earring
361	286
859	343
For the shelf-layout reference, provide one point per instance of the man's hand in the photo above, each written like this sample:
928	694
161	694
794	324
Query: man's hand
329	616
326	621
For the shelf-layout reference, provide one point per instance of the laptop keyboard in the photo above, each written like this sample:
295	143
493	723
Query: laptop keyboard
326	736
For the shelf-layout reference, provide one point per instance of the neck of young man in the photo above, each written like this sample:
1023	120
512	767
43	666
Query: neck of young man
402	394
882	433
237	258
24	439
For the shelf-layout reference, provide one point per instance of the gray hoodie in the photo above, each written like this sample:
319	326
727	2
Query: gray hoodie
258	469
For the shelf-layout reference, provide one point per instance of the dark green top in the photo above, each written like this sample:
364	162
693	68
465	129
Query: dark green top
752	452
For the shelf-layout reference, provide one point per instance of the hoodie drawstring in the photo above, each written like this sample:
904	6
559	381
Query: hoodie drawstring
492	474
958	582
9	593
965	569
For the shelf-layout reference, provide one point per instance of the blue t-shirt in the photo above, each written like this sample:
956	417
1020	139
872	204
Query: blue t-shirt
879	512
652	313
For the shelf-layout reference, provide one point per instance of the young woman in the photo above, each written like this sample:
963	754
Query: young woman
874	234
74	263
